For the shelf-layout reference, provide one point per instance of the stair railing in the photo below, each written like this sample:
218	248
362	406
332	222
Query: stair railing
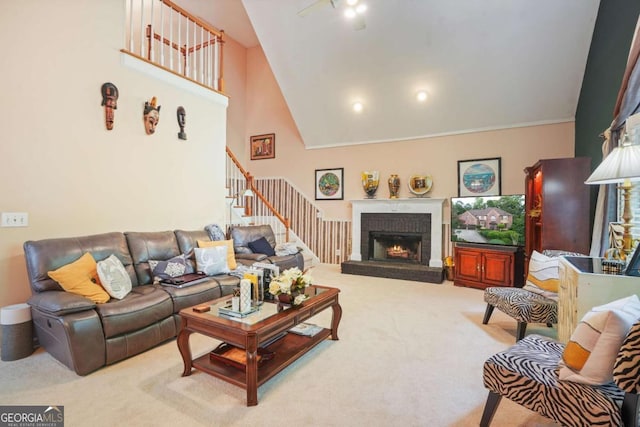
163	34
256	206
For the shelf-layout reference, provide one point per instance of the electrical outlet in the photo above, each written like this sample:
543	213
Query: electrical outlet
15	219
338	252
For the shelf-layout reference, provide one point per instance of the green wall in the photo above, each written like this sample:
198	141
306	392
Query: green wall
606	62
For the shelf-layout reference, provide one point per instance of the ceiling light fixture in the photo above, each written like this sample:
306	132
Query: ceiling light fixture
422	96
354	8
357	107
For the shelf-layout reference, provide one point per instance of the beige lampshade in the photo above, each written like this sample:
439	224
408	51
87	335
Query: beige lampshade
623	163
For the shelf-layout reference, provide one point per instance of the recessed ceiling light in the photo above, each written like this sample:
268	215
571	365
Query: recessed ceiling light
422	96
361	8
357	107
350	12
352	2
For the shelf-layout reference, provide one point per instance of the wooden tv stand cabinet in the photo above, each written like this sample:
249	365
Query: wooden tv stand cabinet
482	266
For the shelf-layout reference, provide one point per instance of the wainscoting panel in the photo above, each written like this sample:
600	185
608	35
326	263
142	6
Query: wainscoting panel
330	240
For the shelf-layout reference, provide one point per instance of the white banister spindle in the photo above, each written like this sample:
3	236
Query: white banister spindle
209	59
186	51
194	68
142	28
171	38
201	53
151	38
131	25
162	35
217	60
180	66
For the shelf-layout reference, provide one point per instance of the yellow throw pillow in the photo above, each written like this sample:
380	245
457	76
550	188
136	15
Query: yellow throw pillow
81	277
231	257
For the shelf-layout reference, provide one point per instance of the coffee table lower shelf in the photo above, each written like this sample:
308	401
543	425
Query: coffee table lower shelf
286	351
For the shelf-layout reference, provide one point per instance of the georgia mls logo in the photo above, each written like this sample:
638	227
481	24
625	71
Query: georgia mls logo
31	416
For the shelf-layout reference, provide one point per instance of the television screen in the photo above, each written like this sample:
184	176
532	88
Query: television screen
493	220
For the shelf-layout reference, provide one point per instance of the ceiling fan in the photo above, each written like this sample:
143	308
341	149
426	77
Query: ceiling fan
353	10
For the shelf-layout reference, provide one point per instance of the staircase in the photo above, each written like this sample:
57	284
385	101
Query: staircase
248	206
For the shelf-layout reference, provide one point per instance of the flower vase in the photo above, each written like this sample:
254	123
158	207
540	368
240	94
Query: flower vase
285	298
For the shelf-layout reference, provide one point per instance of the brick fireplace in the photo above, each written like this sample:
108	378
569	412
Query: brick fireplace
397	238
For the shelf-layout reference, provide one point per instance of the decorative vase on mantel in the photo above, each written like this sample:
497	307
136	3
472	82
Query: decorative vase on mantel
394	186
370	181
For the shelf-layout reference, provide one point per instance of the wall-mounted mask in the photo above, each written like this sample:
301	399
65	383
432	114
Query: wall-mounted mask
151	116
182	121
109	102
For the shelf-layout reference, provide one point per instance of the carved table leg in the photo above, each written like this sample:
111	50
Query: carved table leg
252	371
335	320
185	350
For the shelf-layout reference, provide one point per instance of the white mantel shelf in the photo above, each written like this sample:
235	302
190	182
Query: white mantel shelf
409	205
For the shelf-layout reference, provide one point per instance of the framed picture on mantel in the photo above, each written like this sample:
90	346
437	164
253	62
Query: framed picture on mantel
479	177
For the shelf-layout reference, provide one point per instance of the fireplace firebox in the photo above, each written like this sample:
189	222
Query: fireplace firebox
395	247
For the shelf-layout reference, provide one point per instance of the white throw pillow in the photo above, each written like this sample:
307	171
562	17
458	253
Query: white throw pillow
212	261
114	277
544	275
593	347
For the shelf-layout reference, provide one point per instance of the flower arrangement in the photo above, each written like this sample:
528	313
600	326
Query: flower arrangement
291	282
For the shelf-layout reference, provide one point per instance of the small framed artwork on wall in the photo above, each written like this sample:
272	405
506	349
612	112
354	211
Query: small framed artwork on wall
329	184
263	146
479	177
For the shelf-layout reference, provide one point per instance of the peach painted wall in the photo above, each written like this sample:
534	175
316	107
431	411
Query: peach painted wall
267	112
60	164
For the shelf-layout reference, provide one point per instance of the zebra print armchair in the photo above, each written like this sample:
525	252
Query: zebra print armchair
527	374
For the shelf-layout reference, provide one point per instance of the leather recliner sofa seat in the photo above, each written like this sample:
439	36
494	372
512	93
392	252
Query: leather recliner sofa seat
243	235
86	336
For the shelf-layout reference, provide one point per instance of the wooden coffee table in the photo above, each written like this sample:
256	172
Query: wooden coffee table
253	332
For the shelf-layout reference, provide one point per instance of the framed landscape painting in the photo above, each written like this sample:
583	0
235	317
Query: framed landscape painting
263	146
479	177
329	184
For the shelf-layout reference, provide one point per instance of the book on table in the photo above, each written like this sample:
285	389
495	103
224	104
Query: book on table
306	329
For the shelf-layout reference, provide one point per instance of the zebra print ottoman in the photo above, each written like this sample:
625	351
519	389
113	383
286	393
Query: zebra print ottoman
526	373
522	305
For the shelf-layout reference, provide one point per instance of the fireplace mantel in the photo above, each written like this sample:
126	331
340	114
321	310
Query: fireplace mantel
414	205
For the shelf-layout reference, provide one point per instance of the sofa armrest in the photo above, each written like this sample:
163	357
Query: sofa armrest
59	303
251	257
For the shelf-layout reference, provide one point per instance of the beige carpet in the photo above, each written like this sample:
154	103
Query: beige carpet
409	354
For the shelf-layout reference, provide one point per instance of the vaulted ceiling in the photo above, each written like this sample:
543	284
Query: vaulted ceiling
487	64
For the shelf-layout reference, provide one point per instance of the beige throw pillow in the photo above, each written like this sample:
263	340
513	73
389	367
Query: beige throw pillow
593	347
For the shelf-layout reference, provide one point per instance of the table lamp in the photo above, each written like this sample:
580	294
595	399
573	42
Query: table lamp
622	166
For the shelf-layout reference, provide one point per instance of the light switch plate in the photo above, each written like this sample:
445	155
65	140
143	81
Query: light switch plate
15	219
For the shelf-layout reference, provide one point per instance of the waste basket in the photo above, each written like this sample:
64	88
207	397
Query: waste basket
17	331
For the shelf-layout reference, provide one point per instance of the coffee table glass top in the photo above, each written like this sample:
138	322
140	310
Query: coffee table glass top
263	311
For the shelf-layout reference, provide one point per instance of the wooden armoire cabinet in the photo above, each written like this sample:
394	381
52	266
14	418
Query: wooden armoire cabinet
481	266
557	205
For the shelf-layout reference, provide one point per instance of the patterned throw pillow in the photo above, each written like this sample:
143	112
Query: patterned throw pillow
114	277
591	352
212	261
215	232
81	277
176	266
544	275
231	257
